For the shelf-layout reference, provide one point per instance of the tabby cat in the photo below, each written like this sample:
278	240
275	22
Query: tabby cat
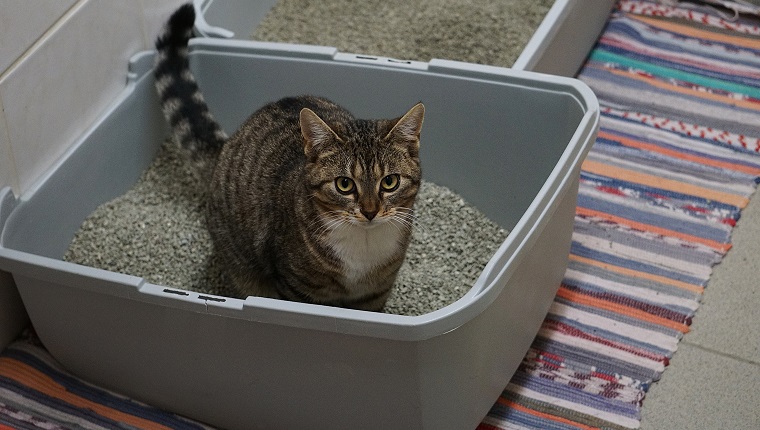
306	202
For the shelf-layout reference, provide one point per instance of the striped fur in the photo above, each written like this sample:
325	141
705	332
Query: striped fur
193	126
281	224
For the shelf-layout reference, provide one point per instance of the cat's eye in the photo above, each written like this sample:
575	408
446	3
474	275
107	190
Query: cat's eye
389	183
344	185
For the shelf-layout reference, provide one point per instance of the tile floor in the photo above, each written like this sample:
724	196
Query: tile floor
713	381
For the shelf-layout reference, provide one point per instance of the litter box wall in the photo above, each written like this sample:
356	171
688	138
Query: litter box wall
565	37
262	362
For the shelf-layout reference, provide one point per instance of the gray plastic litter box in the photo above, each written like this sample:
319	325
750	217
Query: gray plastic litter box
559	45
510	142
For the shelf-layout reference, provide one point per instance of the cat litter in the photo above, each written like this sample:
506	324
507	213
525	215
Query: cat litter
157	231
422	30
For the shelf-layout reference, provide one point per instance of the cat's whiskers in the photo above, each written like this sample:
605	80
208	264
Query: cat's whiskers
392	221
330	221
408	218
402	222
328	224
320	219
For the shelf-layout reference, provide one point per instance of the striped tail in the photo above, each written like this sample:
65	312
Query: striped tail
193	126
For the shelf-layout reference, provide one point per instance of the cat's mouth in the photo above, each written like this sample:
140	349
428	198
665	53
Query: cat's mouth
370	223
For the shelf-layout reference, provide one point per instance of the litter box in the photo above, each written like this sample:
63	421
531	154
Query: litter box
559	45
509	142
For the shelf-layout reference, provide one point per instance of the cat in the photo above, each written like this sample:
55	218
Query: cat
305	202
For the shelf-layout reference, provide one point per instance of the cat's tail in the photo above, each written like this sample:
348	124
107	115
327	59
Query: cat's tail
193	126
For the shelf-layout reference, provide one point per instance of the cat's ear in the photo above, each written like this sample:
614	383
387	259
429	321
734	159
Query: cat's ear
315	132
409	126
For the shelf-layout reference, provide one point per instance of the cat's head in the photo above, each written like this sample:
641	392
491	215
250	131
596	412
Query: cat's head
364	172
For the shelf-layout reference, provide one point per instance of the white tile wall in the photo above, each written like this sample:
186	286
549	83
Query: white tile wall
61	63
24	22
58	90
76	65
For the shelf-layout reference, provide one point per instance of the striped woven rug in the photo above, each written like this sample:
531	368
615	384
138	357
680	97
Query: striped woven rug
674	164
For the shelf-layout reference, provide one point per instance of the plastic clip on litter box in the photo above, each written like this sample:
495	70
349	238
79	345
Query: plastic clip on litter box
285	365
203	28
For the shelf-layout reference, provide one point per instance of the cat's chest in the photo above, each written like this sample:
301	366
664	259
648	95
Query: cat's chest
364	250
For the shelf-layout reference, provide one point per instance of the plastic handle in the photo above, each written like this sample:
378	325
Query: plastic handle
206	30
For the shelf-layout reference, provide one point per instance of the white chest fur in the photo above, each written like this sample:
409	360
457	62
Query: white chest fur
363	249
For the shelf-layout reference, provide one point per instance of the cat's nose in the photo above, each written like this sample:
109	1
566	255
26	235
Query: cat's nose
369	214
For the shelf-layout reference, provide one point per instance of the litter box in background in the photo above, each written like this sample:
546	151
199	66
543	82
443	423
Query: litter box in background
559	45
509	142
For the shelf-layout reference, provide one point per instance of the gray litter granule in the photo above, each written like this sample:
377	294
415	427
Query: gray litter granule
451	244
475	31
157	231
